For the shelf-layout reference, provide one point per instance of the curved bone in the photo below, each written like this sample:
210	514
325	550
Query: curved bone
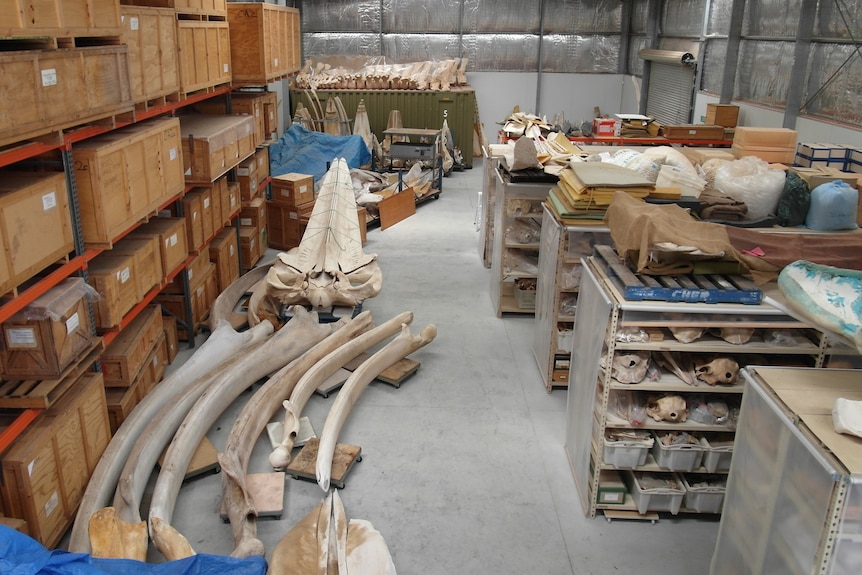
300	334
311	380
250	424
221	345
403	345
227	300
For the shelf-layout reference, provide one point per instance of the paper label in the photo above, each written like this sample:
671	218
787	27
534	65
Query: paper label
30	468
191	274
194	216
206	203
188	172
200	291
225	69
18	337
133	23
294	215
611	497
72	323
245	221
242	171
155	361
51	504
275	62
231	250
232	201
49	201
251	243
124	275
49	77
173	240
172	153
302	189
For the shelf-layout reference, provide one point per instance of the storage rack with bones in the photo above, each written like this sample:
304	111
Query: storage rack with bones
629	359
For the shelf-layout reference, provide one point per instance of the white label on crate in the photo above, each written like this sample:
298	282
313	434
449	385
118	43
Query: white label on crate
275	62
172	154
200	291
191	274
242	171
173	240
30	468
17	337
194	216
155	361
51	504
302	189
231	250
232	201
124	275
188	172
293	215
245	221
285	193
251	243
49	201
164	213
49	77
206	203
611	497
257	110
133	23
72	323
225	69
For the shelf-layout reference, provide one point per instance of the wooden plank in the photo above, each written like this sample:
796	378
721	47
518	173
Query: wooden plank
303	466
396	208
204	460
333	382
395	374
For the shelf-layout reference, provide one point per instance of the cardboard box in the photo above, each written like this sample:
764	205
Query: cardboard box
148	261
292	189
726	115
701	155
770	144
246	176
606	127
126	355
151	35
173	245
48	467
693	132
212	145
49	334
224	253
115	278
822	154
820	175
35	225
124	176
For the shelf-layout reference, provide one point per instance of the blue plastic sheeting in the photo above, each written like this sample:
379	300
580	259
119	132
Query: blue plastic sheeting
22	555
303	151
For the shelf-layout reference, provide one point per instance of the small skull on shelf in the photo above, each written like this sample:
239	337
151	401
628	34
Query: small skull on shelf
723	370
671	408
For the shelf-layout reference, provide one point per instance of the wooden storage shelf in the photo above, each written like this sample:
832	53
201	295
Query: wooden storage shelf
602	312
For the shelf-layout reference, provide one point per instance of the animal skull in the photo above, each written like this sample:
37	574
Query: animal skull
667	408
629	367
720	370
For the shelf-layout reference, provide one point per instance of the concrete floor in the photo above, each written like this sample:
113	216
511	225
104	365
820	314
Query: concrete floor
463	468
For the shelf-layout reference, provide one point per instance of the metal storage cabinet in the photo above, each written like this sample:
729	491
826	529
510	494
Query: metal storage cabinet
794	494
419	109
562	248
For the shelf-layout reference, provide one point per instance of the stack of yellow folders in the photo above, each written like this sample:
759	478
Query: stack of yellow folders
585	190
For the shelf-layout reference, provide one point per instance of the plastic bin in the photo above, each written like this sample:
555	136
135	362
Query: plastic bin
705	498
686	457
648	498
627	453
718	452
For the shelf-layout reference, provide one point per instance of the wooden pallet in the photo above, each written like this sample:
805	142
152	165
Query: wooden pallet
685	288
304	465
394	375
267	493
41	394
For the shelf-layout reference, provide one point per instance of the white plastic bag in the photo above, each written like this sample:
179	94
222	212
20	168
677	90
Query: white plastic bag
752	181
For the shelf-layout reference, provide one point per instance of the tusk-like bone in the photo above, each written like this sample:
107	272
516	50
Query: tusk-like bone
300	334
250	424
221	345
280	457
403	345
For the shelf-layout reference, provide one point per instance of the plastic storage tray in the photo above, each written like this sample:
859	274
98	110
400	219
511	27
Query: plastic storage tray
718	452
706	499
627	453
686	457
654	499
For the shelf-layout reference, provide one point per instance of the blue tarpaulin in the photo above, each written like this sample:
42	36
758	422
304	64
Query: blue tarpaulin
22	555
304	151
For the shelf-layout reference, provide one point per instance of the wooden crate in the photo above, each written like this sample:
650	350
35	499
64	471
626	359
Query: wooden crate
270	115
49	90
49	334
124	358
48	467
28	18
223	252
193	212
35	225
262	157
171	234
725	115
265	42
203	54
212	145
115	278
241	105
253	213
284	229
230	203
203	292
292	189
246	177
694	132
196	267
122	400
148	261
172	344
124	176
249	247
158	362
151	34
217	193
207	7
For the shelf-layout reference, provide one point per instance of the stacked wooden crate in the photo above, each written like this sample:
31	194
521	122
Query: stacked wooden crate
291	203
264	42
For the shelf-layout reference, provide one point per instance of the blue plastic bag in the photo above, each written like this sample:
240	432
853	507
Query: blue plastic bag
833	207
23	555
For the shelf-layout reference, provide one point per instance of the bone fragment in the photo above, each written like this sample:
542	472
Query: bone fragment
402	346
311	380
250	424
113	538
221	345
300	334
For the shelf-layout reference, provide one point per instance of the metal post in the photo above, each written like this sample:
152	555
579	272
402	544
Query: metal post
731	56
802	47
